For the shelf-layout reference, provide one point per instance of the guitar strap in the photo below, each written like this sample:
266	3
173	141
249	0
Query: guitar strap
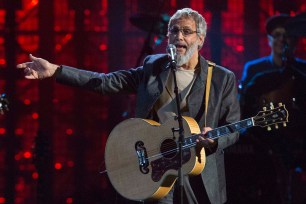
208	83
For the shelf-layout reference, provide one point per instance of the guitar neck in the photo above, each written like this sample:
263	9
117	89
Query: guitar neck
220	131
231	128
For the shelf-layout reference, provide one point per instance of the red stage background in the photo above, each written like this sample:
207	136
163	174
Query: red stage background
70	126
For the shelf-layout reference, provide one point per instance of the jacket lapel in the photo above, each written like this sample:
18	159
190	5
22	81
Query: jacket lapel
155	87
197	93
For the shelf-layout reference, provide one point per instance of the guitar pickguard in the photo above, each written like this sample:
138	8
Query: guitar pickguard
161	165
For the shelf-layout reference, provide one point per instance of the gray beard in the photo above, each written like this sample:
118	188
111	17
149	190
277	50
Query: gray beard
184	59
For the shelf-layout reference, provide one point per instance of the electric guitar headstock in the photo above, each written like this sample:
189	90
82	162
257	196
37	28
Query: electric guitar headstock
3	104
272	116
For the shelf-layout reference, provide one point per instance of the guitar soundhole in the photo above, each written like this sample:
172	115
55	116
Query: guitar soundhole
168	148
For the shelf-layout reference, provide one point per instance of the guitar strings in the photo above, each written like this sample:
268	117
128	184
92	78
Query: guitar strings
171	151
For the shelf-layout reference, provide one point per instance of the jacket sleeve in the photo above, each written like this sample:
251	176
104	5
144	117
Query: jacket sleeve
230	111
123	81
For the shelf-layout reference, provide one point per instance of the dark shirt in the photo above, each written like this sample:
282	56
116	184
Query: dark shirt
265	64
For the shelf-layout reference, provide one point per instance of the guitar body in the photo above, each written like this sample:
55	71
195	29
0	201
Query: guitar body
141	157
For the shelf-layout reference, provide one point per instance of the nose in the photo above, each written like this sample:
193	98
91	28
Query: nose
179	36
280	36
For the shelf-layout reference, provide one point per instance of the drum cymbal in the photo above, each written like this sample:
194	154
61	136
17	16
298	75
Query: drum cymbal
156	24
296	26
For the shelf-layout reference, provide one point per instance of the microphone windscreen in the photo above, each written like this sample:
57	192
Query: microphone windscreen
171	50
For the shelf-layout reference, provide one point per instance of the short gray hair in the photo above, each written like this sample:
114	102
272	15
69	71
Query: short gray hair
190	13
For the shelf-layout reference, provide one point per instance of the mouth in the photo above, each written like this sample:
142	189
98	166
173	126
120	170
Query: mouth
181	48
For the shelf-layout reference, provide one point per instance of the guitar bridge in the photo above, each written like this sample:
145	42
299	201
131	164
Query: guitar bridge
142	157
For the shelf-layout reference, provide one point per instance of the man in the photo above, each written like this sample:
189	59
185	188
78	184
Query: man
282	55
153	85
277	40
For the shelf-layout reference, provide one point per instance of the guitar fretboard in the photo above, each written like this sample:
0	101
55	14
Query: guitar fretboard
220	131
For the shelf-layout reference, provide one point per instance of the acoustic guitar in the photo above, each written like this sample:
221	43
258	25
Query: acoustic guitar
141	155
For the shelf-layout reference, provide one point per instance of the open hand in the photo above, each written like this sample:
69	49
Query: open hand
38	68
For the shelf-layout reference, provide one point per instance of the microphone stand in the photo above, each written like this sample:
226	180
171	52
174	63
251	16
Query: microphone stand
181	133
285	55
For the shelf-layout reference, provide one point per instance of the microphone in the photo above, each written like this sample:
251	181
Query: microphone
171	50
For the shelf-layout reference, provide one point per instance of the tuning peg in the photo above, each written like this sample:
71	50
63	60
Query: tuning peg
284	124
276	126
271	105
269	128
264	108
280	104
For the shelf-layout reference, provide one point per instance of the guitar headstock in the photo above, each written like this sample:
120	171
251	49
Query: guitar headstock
3	104
273	116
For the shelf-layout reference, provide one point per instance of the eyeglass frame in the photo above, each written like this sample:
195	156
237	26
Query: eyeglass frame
182	31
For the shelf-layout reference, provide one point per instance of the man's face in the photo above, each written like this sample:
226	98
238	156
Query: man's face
277	41
183	34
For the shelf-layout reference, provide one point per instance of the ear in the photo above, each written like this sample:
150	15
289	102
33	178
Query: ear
201	41
202	38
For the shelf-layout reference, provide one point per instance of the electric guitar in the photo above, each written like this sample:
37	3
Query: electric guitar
141	155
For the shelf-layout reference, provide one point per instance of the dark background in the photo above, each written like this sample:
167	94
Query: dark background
69	127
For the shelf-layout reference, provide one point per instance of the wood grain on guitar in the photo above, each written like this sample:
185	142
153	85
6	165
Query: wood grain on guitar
141	155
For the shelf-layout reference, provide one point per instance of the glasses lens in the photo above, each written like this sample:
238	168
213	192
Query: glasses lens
174	30
187	31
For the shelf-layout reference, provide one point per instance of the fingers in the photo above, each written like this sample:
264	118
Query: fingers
24	65
205	140
27	64
33	58
29	72
21	66
205	130
30	68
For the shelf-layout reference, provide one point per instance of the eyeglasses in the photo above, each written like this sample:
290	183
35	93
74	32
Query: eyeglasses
278	35
185	31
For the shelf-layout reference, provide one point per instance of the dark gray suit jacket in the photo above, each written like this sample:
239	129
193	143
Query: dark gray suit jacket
148	82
